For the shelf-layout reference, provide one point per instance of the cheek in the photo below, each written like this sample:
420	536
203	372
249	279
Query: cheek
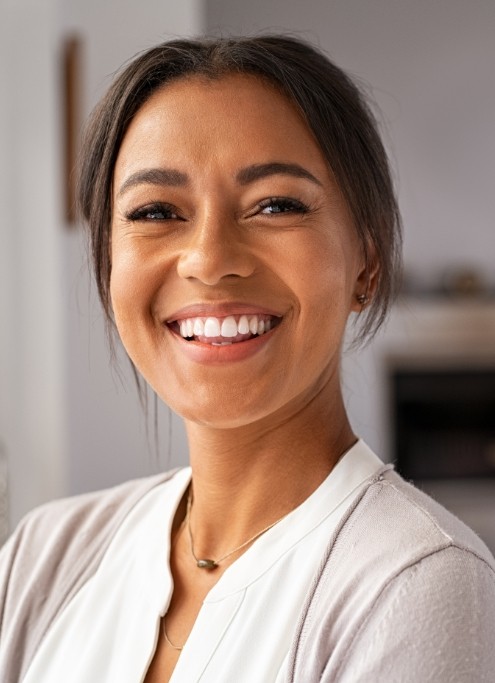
122	284
324	274
132	287
324	271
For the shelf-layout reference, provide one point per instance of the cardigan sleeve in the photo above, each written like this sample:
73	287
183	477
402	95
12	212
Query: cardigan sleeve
434	622
50	555
41	566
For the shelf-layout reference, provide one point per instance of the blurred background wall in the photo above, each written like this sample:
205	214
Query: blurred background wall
68	423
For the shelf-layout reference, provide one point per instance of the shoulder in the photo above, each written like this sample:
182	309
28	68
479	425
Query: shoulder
393	530
405	585
95	507
73	526
77	520
406	525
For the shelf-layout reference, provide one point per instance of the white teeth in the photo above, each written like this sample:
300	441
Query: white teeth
198	327
224	327
212	327
229	327
243	325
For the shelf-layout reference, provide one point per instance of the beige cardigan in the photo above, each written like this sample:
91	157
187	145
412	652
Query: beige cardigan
405	592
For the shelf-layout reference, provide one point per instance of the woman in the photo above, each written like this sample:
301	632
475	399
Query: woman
241	210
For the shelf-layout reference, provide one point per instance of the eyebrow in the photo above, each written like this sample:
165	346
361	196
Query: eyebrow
250	174
259	171
155	176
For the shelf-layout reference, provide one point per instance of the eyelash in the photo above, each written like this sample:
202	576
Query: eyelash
285	203
168	212
143	213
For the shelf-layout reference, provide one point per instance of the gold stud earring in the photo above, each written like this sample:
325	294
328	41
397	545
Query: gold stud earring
362	299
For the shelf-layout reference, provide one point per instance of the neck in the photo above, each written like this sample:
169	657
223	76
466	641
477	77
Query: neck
245	478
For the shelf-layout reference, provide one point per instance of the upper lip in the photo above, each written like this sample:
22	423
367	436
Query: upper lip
220	310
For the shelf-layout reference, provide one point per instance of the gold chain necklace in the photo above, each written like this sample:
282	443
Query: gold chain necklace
204	563
164	630
169	642
207	563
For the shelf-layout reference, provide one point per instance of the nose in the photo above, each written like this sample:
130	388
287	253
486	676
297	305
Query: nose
215	249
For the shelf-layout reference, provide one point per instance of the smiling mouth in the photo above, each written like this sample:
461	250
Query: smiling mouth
224	331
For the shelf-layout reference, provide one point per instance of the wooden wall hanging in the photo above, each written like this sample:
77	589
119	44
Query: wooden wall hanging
71	93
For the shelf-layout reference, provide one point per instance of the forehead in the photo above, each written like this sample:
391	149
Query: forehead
235	119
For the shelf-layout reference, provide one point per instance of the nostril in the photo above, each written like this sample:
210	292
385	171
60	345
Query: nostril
214	263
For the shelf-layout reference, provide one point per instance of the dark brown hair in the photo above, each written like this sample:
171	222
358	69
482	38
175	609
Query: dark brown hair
332	105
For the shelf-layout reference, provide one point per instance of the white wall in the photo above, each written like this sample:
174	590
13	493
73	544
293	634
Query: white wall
32	411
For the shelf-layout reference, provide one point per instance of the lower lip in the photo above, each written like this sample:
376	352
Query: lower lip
219	355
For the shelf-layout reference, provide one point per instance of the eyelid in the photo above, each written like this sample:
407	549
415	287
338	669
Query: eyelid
281	198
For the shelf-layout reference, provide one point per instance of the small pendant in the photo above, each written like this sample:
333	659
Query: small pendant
206	564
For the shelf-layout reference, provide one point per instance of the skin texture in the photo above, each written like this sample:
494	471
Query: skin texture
265	421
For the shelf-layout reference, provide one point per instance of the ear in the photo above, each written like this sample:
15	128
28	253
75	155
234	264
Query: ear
367	280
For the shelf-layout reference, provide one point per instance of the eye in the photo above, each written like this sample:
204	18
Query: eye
154	212
278	205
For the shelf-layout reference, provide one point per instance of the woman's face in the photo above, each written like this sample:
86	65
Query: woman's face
235	263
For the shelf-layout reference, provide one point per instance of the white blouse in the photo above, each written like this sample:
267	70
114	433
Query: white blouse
243	632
